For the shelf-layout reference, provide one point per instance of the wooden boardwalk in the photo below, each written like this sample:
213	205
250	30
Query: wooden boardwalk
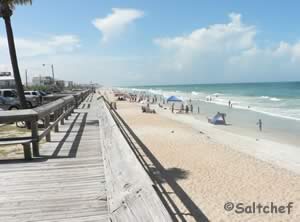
66	183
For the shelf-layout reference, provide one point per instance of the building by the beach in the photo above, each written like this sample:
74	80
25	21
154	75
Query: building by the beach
60	83
42	80
7	80
69	84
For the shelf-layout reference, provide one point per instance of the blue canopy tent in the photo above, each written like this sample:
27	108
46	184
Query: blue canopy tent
218	119
173	99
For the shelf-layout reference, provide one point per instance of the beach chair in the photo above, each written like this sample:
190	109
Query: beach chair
146	109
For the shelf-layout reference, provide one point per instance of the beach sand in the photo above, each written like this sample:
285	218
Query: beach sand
12	151
203	173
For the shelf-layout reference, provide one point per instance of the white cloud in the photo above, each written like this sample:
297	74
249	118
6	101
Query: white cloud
233	35
216	40
116	22
36	47
64	40
227	53
84	68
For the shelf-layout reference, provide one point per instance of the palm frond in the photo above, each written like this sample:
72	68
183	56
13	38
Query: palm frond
13	3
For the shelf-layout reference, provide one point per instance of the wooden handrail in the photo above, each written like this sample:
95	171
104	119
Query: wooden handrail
46	109
17	115
132	194
50	127
40	112
61	108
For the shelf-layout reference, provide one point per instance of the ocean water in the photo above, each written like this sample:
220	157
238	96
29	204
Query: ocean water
280	99
276	104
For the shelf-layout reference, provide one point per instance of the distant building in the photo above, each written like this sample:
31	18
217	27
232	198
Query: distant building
42	81
60	83
7	81
70	84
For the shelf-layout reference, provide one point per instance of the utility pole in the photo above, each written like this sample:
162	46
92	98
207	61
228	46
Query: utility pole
26	77
52	68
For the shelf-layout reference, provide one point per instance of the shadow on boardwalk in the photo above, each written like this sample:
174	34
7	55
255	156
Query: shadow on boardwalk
160	175
55	155
75	143
14	161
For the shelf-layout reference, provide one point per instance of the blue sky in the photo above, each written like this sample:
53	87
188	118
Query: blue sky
158	42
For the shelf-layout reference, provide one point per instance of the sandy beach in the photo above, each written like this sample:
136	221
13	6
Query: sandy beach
212	167
12	151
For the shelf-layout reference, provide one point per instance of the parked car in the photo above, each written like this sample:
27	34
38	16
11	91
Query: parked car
43	93
9	103
32	101
35	94
32	93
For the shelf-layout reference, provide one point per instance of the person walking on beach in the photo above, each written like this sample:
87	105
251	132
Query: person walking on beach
229	104
182	107
192	108
186	109
172	107
259	123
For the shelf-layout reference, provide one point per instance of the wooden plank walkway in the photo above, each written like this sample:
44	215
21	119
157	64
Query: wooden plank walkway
67	183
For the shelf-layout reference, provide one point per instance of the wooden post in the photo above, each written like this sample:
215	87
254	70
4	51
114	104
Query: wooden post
74	106
66	109
76	102
67	115
47	123
35	136
62	121
27	151
56	128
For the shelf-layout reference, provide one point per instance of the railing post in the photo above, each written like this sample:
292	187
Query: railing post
76	102
66	109
62	121
56	128
27	151
71	104
47	123
35	136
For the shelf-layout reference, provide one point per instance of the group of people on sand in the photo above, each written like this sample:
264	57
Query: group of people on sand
184	108
188	108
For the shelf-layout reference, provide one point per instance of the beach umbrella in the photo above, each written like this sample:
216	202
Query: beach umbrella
173	99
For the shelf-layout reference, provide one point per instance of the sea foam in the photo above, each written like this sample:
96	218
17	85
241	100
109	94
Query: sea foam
275	99
272	106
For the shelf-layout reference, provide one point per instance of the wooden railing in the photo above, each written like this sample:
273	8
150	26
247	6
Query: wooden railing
51	115
131	193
